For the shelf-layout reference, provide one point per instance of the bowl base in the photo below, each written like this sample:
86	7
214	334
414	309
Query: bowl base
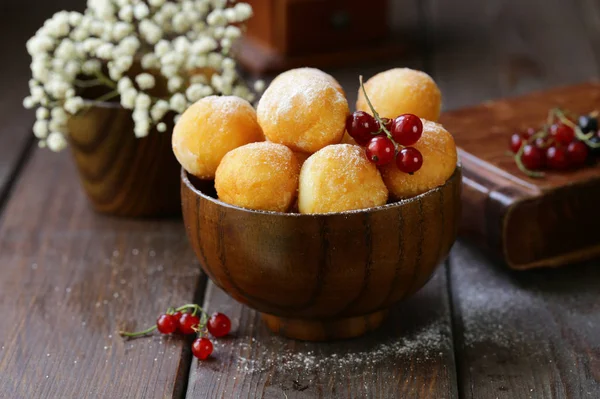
324	330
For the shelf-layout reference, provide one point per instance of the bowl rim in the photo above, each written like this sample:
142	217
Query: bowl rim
185	179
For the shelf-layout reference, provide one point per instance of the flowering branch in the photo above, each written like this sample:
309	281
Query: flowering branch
132	47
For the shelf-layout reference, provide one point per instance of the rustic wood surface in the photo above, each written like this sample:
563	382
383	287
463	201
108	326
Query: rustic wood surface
518	334
503	334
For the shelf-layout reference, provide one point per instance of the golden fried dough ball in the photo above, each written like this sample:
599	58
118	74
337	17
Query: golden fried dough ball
402	91
347	139
303	109
340	178
211	128
262	176
439	161
308	72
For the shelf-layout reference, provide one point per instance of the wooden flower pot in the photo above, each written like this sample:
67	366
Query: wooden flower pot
123	175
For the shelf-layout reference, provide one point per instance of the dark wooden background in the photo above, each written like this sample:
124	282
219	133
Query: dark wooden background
69	279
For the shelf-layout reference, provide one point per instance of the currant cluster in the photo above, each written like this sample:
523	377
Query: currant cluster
190	319
386	139
564	142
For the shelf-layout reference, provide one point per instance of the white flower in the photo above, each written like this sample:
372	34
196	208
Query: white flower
143	101
198	79
121	30
74	105
156	3
161	127
178	102
105	51
243	10
169	9
40	129
56	141
195	92
128	98
174	83
180	23
162	48
233	32
259	86
37	93
150	31
79	34
90	45
70	93
75	18
124	84
141	11
145	81
204	45
126	13
42	113
159	110
214	60
181	44
228	63
90	67
39	44
55	125
169	71
172	58
129	45
226	43
216	18
230	14
219	32
141	129
59	115
150	61
72	69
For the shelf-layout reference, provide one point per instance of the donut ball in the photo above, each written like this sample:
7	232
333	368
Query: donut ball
261	176
211	128
402	91
340	178
304	110
308	72
439	161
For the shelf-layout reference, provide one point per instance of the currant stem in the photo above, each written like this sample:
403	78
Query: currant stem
137	333
375	114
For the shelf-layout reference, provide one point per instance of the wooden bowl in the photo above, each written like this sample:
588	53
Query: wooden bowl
123	175
322	276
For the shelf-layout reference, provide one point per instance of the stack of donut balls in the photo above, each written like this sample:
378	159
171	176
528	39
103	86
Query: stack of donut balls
302	150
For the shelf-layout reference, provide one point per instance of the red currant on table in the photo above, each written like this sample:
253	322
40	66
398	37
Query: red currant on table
577	153
556	158
188	323
562	133
166	324
516	141
361	126
407	129
409	160
202	348
532	157
219	325
380	150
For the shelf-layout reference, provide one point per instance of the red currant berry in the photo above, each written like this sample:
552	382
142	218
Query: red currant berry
219	325
409	160
556	158
577	153
202	348
380	150
361	126
532	157
515	142
407	129
387	123
166	324
529	133
562	133
188	323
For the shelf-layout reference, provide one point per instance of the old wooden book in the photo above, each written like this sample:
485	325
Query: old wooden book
529	222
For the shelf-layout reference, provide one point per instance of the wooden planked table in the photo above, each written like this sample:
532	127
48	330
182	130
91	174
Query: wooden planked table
70	278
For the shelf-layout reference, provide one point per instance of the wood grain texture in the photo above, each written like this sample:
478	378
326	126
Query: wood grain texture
71	278
410	356
518	334
321	277
121	174
530	334
528	222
